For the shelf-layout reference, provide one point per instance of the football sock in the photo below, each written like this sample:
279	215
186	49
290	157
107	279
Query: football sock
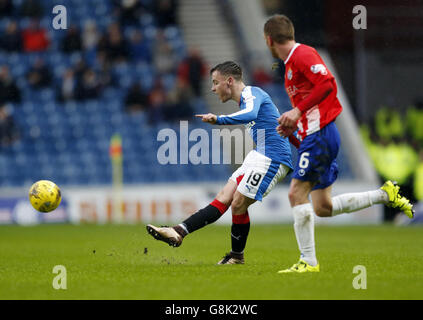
350	202
345	203
304	232
204	216
239	232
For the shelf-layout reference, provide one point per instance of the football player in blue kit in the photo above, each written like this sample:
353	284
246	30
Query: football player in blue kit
261	170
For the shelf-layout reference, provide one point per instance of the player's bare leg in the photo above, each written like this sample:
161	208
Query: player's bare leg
227	193
325	205
174	235
239	229
322	201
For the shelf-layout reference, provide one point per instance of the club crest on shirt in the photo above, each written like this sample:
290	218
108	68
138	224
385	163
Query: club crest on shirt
289	74
319	68
250	124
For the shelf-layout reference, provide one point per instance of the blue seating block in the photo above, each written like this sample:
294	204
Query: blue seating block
69	142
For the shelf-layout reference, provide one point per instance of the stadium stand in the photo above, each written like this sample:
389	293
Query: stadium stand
64	129
66	139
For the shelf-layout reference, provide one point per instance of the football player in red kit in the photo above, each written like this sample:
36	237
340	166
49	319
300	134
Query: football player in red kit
313	93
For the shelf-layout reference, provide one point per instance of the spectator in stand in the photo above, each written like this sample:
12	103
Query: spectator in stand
165	12
418	178
413	120
128	12
261	77
90	35
39	76
102	68
164	58
79	69
136	100
139	48
67	89
32	9
389	124
72	42
8	130
157	100
80	83
393	155
89	87
114	45
11	41
177	105
6	8
35	38
192	71
9	91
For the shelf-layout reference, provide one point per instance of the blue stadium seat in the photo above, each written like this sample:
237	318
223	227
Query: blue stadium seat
69	142
146	20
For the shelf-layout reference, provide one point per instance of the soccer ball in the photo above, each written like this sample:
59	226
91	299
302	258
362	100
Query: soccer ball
44	196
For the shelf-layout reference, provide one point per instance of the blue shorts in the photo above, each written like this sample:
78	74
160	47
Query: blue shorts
317	157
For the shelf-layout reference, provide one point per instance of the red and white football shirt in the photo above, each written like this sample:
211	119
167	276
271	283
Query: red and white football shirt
305	69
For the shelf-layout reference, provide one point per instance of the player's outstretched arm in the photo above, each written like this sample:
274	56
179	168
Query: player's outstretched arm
209	117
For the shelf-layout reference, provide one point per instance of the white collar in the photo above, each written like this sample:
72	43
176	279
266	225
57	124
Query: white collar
291	52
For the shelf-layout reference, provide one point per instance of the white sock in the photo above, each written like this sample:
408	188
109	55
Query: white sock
304	232
350	202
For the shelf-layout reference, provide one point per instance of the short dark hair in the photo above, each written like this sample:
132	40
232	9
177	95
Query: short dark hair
280	28
228	68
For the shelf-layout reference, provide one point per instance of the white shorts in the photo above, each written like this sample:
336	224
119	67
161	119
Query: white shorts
258	175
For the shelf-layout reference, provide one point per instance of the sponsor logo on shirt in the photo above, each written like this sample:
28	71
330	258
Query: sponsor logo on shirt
291	90
289	74
250	124
319	68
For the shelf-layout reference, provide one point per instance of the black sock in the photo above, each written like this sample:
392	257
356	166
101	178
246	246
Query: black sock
239	235
202	218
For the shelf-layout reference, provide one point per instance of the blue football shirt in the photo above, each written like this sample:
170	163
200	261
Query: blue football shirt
259	114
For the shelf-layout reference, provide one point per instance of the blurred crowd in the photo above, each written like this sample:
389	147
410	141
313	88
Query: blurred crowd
101	51
394	140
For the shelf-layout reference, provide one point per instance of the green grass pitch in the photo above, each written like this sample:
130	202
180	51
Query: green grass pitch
124	262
